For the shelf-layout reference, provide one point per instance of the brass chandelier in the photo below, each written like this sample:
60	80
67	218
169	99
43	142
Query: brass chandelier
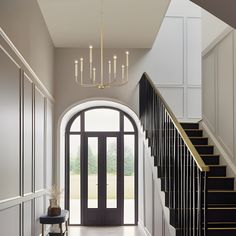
104	82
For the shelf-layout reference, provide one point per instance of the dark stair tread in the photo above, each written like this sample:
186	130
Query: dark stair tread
220	177
204	149
194	132
209	155
186	125
211	159
199	140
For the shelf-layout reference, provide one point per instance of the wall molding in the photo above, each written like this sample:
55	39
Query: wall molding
22	59
217	40
11	202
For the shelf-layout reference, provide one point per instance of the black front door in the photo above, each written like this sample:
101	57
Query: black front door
102	179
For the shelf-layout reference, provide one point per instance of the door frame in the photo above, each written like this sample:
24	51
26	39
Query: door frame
82	132
102	137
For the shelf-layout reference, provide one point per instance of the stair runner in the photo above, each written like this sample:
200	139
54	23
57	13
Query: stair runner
221	214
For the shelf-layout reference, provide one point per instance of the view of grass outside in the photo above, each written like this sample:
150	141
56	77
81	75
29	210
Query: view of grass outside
111	169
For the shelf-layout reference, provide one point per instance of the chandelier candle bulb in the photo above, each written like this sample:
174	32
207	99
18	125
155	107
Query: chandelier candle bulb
123	71
114	59
90	54
81	64
94	75
109	70
76	71
127	59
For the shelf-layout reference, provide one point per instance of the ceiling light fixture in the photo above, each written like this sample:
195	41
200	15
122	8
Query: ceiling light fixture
112	79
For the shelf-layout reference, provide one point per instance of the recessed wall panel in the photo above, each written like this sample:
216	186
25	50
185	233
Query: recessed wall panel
10	221
169	48
39	210
225	92
39	140
28	134
9	127
175	99
49	143
208	90
194	51
28	217
194	102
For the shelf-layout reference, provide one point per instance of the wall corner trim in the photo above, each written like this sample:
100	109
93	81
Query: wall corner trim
227	31
36	78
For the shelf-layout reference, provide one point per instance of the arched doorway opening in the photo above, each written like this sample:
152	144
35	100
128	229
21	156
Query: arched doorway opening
101	167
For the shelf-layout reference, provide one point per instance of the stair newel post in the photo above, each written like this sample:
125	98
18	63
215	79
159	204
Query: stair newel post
205	202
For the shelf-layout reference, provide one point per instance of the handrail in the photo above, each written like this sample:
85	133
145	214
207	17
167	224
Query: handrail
200	163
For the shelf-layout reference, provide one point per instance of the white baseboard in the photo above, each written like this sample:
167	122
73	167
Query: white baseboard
144	229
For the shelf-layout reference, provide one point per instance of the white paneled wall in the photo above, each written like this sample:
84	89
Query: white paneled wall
26	157
178	59
155	218
219	90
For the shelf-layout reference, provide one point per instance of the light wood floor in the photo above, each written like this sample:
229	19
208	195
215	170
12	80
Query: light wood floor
105	231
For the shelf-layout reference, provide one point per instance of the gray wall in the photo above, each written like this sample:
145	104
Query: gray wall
22	21
219	104
26	121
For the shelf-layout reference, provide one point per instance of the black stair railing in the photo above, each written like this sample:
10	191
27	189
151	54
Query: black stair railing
181	169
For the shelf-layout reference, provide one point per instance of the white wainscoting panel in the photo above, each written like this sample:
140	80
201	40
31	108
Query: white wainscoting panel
39	210
194	110
10	221
225	93
9	127
39	140
49	144
194	46
175	99
23	118
28	218
170	48
148	197
28	135
209	90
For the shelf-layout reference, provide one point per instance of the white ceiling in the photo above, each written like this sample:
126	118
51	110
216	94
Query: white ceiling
127	23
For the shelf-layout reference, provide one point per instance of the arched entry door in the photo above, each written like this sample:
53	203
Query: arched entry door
101	168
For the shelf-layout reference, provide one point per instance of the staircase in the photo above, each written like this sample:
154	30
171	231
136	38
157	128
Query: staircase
199	195
221	212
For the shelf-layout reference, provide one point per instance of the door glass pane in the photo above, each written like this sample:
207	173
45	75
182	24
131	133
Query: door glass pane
128	127
111	172
75	127
93	172
75	179
129	180
102	120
